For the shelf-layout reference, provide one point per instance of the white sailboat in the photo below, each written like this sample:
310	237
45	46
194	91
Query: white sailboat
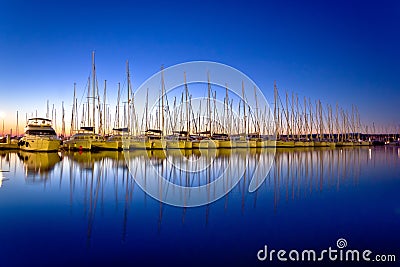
86	138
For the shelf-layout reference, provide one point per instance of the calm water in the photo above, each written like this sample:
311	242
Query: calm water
85	208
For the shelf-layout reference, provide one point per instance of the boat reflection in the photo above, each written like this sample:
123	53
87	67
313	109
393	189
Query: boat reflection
98	180
38	166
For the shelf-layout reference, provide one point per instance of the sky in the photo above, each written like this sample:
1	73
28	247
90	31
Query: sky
344	52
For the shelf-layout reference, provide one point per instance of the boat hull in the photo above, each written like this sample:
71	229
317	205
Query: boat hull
39	144
188	144
157	144
252	143
225	144
280	143
241	144
175	144
299	144
320	144
209	144
104	145
346	143
145	144
78	145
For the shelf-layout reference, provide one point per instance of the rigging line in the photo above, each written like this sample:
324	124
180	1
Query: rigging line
84	92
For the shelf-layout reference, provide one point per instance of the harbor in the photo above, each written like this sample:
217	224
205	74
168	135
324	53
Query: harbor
199	133
170	119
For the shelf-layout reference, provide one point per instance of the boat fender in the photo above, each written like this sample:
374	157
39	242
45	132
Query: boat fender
26	144
21	143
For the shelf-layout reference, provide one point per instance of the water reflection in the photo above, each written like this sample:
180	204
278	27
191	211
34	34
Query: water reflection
38	165
100	184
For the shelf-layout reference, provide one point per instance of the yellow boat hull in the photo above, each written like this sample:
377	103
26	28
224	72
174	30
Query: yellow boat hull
280	143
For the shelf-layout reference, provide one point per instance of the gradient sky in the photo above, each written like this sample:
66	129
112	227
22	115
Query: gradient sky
344	52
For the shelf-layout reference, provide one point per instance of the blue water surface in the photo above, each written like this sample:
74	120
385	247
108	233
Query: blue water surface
85	209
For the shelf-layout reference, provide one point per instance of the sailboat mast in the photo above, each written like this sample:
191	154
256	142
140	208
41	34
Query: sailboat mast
162	101
321	122
63	121
104	106
287	117
187	108
227	124
188	115
87	104
311	119
276	112
306	129
299	130
94	93
244	110
257	124
118	103
215	111
208	102
129	92
47	113
17	130
147	107
73	112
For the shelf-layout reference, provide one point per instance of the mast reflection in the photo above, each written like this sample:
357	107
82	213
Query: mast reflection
98	181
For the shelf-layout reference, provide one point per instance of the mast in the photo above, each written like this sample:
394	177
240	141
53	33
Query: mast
94	93
244	110
47	113
293	125
118	103
88	97
158	121
358	124
208	102
162	102
146	110
227	119
330	122
187	107
52	116
55	118
129	94
276	112
299	130
311	118
287	117
257	124
17	130
104	106
73	112
101	113
76	113
306	128
215	111
321	121
63	121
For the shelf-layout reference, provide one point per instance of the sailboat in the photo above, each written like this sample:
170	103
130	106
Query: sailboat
180	139
242	142
280	141
86	138
155	137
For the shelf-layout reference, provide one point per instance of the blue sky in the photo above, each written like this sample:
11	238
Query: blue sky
344	52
